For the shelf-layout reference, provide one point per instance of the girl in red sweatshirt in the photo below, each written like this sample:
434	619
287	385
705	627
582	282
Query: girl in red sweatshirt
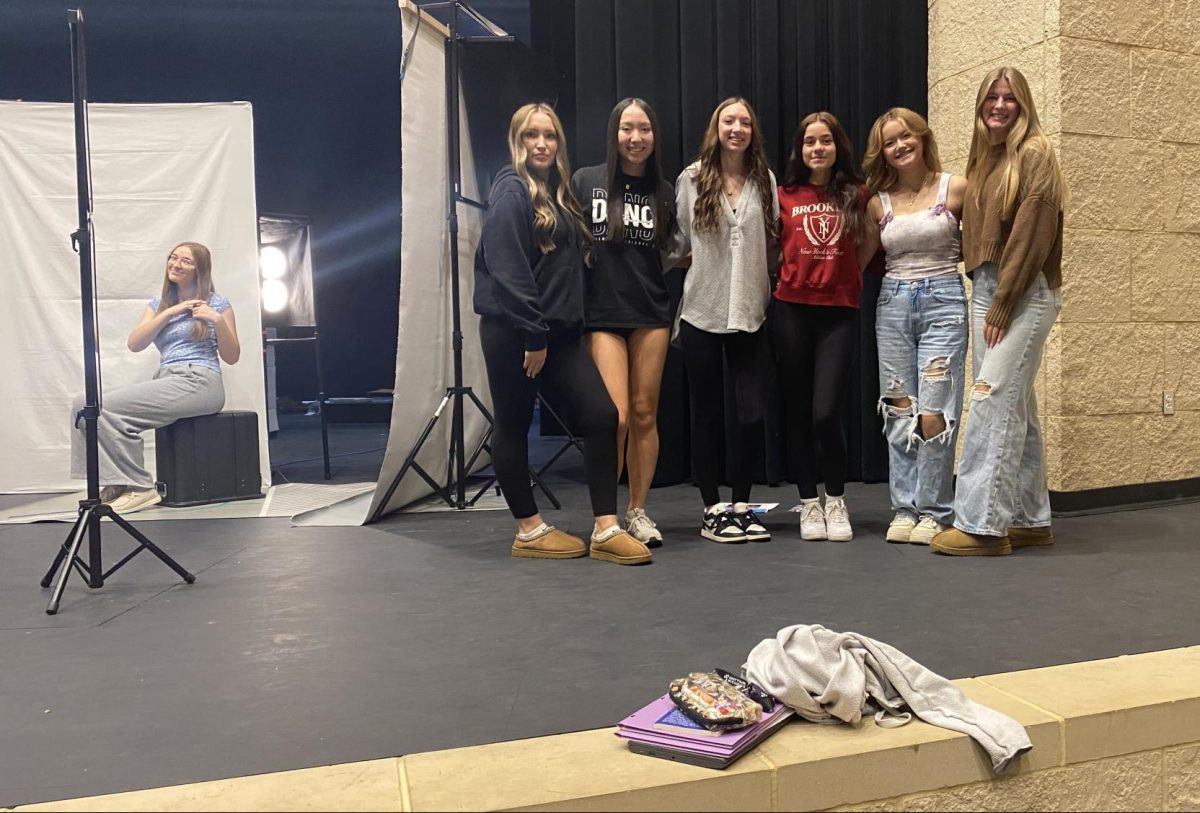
813	314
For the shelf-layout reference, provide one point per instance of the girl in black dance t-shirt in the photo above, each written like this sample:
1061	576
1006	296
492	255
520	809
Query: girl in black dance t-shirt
627	308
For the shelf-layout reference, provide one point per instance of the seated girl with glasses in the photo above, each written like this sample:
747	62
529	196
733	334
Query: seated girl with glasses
194	330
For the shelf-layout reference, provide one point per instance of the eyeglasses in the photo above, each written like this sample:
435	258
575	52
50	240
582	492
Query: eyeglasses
184	261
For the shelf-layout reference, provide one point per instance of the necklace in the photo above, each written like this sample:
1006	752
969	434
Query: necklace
733	186
912	196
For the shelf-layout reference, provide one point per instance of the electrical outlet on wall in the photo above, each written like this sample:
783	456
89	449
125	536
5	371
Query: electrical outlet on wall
1168	402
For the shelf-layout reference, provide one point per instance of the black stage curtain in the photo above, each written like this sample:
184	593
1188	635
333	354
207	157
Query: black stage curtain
854	58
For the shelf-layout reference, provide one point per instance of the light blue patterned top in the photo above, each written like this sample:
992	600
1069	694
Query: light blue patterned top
175	341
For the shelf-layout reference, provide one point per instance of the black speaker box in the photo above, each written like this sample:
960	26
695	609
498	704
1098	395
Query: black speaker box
213	458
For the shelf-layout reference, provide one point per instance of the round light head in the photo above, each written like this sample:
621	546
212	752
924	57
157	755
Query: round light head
274	296
272	263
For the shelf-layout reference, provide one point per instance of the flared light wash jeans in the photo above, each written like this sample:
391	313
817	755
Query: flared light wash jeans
921	334
1002	471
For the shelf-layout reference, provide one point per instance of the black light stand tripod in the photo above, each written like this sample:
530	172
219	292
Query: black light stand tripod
91	510
454	492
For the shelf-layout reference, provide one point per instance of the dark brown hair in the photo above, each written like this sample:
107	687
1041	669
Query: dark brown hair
844	188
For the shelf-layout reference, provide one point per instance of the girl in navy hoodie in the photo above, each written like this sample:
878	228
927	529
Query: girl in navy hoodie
529	294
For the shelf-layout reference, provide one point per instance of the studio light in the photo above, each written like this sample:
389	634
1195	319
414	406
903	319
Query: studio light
285	268
289	313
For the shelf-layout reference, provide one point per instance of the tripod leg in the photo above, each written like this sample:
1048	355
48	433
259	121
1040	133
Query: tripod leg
71	542
81	525
545	489
571	439
535	476
150	546
411	461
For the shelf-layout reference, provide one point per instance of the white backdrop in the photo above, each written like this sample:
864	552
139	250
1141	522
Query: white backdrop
162	174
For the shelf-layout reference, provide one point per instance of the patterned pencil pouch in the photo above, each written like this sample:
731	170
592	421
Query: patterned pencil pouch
707	699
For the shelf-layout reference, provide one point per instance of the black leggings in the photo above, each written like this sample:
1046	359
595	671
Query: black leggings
570	371
702	357
813	346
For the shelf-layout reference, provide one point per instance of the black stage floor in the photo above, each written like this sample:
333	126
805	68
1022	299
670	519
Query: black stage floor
299	647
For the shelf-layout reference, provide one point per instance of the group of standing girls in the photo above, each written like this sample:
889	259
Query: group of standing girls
570	288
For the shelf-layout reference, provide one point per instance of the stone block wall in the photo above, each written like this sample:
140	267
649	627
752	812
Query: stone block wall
1117	86
1164	779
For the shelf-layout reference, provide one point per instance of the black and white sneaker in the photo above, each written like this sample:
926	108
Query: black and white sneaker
722	527
748	521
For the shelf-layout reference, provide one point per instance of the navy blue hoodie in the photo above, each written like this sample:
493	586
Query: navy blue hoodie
533	292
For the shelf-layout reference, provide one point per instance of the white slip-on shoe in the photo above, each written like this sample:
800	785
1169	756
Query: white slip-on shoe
135	499
109	494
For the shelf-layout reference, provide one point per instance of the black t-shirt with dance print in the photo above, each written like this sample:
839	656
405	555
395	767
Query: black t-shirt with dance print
625	287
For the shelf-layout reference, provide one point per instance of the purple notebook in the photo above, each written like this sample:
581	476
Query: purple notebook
645	725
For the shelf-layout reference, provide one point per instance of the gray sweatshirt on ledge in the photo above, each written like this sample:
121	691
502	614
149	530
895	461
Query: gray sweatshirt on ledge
830	677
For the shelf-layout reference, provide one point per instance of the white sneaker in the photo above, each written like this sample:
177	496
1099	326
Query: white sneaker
926	530
837	520
901	528
812	521
642	528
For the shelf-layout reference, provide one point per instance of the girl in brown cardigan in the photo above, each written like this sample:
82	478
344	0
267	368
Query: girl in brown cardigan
1012	247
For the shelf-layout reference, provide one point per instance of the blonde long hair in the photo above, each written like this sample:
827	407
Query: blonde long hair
1025	134
542	192
708	178
882	176
204	287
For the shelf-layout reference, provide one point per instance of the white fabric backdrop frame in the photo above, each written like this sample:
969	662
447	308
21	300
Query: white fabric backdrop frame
162	174
424	357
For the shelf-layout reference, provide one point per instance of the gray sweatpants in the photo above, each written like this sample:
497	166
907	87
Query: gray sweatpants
175	392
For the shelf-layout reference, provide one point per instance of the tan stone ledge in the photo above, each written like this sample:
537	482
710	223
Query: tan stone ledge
1082	714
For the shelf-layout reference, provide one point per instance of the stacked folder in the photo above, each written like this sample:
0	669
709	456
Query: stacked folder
662	730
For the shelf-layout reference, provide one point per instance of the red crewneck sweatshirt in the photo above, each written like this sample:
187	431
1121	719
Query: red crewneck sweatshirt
820	263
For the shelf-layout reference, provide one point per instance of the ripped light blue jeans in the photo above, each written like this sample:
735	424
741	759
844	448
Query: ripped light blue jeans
921	333
1002	472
